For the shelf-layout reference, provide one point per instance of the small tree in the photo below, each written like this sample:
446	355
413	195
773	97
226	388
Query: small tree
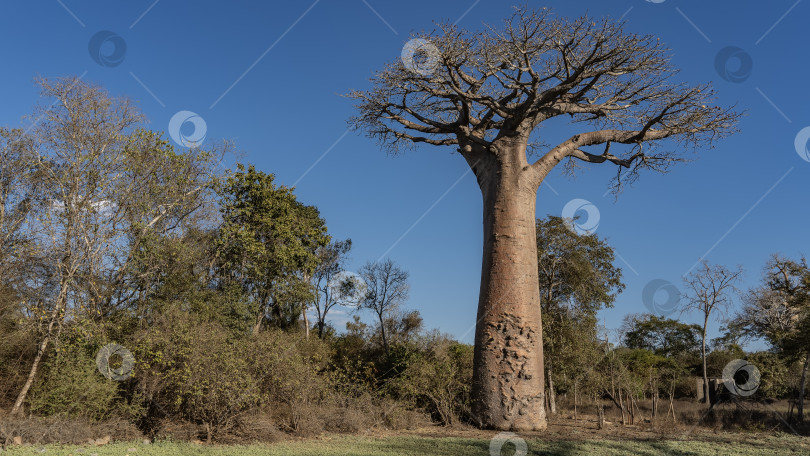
328	293
387	288
577	279
779	312
663	336
708	293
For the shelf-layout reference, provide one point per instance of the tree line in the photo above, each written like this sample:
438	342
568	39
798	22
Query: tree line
208	276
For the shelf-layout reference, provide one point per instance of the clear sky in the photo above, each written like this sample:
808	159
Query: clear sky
270	75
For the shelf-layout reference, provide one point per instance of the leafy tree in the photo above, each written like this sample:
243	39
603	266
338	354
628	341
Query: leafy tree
779	312
437	380
708	290
267	244
577	278
662	336
104	185
196	370
179	271
485	94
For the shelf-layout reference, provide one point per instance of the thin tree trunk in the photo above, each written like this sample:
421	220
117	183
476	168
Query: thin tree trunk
382	334
575	401
705	374
508	384
600	412
802	386
552	396
43	346
258	325
31	375
671	403
621	406
306	320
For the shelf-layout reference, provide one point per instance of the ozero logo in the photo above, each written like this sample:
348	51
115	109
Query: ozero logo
661	297
420	56
582	216
733	64
184	119
498	442
801	143
120	373
741	378
107	48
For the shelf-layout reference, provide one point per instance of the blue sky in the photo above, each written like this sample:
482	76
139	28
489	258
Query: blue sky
270	77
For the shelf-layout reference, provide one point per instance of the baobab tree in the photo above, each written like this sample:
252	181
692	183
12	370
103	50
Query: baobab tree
484	93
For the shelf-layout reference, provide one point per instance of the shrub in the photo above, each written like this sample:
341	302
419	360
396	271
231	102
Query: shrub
194	371
438	380
287	369
70	386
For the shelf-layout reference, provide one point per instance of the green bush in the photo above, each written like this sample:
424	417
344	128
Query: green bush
72	387
437	380
196	371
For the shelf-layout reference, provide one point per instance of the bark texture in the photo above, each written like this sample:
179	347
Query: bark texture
508	382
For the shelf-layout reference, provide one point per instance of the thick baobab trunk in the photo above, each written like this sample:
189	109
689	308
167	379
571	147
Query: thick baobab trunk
508	381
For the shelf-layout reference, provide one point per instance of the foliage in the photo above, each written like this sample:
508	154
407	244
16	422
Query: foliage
267	244
438	380
195	370
71	385
662	336
577	279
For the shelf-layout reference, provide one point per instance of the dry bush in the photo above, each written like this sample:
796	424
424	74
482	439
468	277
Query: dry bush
255	426
17	350
288	369
42	431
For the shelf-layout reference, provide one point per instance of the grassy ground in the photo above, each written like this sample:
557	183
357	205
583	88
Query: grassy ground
417	445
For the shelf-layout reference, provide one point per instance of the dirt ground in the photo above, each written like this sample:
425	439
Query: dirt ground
563	427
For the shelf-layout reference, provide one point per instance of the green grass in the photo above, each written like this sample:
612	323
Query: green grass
406	445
